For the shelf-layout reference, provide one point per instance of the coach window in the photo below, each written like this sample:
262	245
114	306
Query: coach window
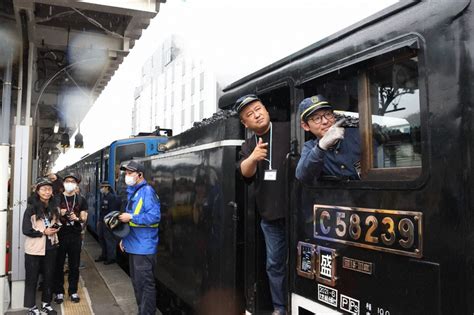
128	152
390	93
380	96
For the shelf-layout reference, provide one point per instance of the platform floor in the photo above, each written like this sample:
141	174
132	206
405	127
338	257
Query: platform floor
104	289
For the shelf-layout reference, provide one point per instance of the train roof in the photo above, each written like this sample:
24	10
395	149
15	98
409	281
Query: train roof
335	47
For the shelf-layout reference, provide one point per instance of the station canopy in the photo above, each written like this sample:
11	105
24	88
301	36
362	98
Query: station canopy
67	52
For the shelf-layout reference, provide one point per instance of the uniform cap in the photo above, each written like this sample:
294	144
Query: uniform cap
118	228
310	105
244	101
133	166
105	183
42	181
77	177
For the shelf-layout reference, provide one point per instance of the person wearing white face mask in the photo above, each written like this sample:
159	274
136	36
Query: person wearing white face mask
73	213
143	216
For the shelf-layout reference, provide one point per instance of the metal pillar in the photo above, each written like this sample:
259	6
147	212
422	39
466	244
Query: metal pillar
4	162
21	187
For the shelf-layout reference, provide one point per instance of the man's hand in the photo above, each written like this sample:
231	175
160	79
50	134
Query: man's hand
332	136
125	217
260	151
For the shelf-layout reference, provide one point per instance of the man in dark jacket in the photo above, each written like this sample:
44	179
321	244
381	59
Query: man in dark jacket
263	163
73	213
109	202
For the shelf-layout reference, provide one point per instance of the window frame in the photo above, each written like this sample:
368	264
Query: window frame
408	177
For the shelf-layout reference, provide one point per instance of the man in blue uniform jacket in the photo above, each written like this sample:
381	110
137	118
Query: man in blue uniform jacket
334	152
143	215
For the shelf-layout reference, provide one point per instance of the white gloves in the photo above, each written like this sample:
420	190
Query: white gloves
332	136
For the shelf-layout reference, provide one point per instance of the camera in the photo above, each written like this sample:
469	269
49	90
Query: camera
56	226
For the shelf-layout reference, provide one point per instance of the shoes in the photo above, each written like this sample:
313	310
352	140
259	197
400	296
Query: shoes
33	311
59	298
99	259
75	298
109	262
48	309
279	311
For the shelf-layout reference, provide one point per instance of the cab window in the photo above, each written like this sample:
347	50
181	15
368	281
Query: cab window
380	97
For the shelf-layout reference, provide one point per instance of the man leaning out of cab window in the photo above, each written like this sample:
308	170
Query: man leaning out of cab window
335	151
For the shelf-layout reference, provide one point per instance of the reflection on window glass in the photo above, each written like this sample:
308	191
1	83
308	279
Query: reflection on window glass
395	102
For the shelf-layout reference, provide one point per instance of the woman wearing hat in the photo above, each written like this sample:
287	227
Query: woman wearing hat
40	226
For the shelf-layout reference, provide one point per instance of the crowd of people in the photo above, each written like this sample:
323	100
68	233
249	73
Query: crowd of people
57	212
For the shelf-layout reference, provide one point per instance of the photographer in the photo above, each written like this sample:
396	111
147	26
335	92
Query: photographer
335	151
41	241
73	210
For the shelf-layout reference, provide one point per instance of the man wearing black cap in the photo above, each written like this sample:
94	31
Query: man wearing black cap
141	243
73	213
334	152
109	202
263	163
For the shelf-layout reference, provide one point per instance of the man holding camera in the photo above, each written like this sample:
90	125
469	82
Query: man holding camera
334	152
73	214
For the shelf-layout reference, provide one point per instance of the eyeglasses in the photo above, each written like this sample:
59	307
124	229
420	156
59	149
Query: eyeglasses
45	188
317	119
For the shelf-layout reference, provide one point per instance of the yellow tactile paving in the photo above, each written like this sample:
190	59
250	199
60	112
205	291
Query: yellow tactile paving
83	307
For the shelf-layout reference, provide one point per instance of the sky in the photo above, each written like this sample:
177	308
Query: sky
235	38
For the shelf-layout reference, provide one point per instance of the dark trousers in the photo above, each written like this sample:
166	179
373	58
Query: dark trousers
142	269
107	242
70	246
33	265
276	249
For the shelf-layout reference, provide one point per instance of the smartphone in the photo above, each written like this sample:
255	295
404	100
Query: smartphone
56	226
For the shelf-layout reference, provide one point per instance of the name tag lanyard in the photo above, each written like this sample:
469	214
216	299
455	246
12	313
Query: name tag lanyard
270	174
72	208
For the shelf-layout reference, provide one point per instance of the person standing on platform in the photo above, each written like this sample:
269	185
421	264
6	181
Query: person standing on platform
40	226
107	240
73	211
263	163
143	216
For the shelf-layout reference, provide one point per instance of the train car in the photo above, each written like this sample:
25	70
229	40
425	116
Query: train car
200	253
396	241
399	240
103	165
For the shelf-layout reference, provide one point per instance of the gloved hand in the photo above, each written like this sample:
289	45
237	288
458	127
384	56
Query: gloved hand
332	136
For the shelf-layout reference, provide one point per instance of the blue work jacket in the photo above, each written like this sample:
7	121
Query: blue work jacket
144	206
342	160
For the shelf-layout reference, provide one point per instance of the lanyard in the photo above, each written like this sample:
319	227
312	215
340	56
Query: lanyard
271	141
73	203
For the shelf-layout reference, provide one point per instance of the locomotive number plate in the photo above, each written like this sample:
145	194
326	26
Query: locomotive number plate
392	231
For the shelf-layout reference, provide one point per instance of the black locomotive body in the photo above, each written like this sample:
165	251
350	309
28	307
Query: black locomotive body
397	241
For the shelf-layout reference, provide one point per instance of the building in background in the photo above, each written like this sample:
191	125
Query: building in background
176	89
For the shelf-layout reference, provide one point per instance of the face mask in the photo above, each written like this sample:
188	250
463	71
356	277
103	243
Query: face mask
130	181
103	190
69	187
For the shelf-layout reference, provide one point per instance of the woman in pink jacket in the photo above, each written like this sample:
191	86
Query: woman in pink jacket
40	225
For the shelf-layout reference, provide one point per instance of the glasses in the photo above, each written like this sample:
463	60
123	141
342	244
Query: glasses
45	188
319	118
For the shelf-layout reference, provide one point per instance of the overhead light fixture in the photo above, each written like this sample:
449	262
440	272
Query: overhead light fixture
49	152
65	140
56	127
78	140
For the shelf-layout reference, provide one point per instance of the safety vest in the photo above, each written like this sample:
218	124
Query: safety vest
137	211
